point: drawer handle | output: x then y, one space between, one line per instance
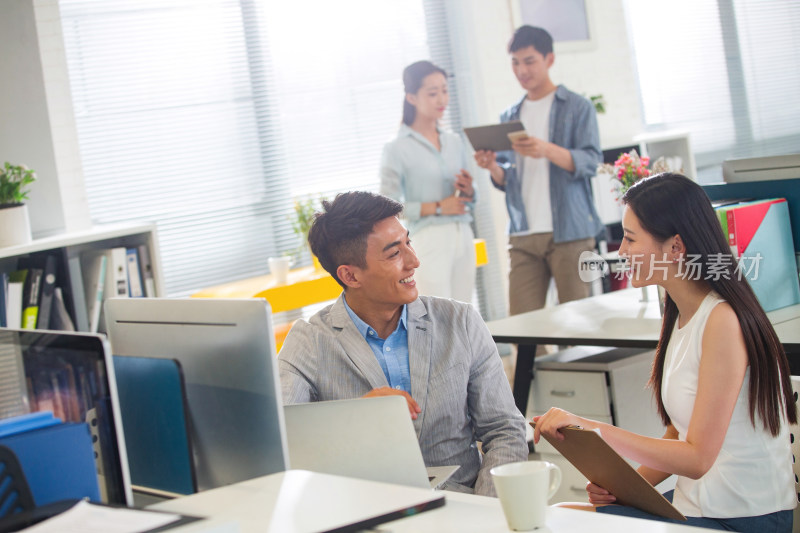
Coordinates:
577 489
563 393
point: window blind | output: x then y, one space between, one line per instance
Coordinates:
211 117
726 71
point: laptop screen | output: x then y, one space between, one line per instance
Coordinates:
69 374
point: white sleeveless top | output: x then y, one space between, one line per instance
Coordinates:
753 472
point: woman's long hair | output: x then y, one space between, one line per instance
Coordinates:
671 204
413 76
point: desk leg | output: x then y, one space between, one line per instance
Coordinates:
523 374
792 355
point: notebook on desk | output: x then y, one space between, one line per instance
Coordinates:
365 438
603 466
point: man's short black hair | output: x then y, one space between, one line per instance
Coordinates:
526 36
338 235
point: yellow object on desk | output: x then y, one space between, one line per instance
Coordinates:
305 286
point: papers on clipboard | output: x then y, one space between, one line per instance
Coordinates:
495 137
589 453
86 517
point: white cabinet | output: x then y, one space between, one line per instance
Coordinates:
68 248
604 384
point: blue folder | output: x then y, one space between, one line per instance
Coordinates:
27 422
58 461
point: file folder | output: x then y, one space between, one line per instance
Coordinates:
58 462
27 422
762 237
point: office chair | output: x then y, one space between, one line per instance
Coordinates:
15 495
794 435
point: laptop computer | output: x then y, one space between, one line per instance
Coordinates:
71 375
366 438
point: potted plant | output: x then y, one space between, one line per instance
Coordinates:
304 210
15 226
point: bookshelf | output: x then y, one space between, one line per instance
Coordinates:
68 249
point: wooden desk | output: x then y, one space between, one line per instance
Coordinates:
617 319
317 502
305 286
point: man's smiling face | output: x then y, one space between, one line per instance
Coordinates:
391 261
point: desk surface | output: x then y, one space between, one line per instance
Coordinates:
314 502
465 513
618 318
298 501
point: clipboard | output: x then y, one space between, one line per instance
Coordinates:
589 453
493 137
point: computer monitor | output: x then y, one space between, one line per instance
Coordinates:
226 350
72 375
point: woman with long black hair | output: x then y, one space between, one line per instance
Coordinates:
720 376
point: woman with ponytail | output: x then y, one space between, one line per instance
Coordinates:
720 376
424 169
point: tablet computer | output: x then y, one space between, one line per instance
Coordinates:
589 453
494 137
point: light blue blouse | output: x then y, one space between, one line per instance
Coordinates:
413 171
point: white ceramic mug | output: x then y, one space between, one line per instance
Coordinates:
523 489
279 268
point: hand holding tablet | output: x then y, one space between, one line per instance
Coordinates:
515 136
495 137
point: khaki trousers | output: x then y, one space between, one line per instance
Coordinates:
534 260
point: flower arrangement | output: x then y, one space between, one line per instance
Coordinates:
630 168
14 182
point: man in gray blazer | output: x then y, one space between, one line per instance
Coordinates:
380 338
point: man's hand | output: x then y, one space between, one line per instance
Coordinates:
531 147
488 160
413 407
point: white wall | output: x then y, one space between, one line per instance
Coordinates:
36 121
607 68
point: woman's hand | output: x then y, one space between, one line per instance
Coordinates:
554 419
454 205
464 184
598 495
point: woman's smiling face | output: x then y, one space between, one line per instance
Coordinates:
648 259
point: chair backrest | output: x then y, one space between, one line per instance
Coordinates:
794 432
152 401
15 495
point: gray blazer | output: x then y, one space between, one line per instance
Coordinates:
457 379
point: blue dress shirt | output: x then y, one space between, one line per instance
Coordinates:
391 353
